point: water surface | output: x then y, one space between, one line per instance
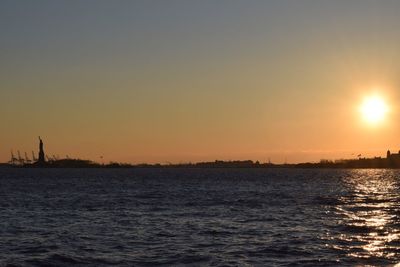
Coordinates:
199 217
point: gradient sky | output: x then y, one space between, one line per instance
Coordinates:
179 81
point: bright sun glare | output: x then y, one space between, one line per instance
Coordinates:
374 109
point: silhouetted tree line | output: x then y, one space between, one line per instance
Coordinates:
377 162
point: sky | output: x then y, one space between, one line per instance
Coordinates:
187 81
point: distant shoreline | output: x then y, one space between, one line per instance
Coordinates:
361 163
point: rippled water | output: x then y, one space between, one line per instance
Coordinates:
199 217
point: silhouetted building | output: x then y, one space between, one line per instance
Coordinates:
41 152
393 159
392 156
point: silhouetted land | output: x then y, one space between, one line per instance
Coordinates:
78 163
377 162
392 160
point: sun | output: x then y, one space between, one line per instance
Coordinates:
374 109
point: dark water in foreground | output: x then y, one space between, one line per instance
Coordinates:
199 217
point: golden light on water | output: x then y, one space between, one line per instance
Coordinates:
369 215
374 109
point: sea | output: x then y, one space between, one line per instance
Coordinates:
199 217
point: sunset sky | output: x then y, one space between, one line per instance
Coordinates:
179 81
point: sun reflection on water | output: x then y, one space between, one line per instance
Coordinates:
368 224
